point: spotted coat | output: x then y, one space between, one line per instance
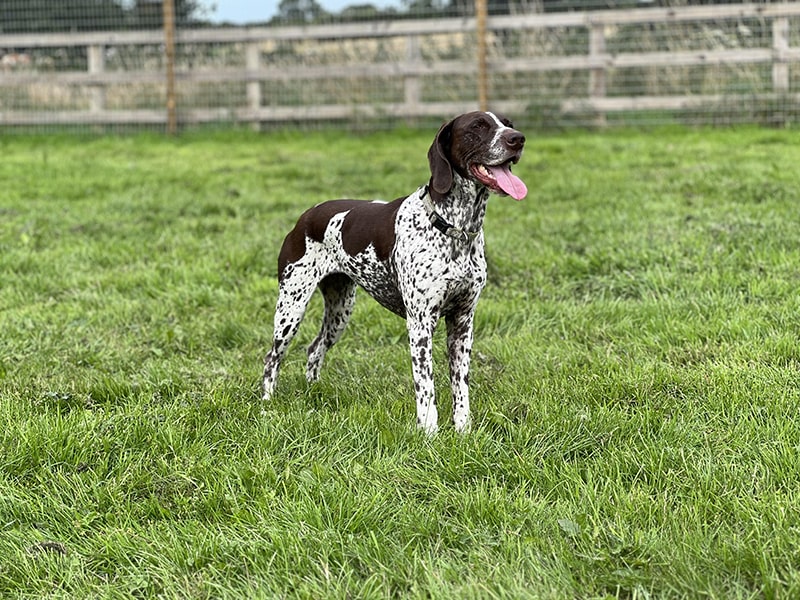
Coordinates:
420 256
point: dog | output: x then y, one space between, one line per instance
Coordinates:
420 256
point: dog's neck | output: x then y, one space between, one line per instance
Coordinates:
464 206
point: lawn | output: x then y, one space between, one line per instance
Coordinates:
635 382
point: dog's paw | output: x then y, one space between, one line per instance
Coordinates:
463 425
428 423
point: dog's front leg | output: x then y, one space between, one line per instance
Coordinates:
420 337
459 349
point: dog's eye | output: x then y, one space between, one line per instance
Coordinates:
507 122
482 126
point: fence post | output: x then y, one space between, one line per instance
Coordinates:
597 75
97 93
780 44
481 14
252 59
169 48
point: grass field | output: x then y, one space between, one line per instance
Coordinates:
635 383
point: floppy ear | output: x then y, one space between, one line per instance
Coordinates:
441 170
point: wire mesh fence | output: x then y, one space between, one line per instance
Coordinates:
100 64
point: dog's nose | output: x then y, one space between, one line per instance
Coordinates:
514 139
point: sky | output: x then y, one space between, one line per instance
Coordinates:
250 11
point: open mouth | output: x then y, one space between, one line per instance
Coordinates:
500 179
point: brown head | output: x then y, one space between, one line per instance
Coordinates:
479 146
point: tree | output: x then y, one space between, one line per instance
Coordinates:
425 8
291 12
33 16
150 13
365 12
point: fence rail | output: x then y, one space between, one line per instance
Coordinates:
253 59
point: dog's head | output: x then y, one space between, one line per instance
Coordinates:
479 146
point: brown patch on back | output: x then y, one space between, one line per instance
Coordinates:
366 223
294 246
370 223
311 224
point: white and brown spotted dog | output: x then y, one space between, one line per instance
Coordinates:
420 256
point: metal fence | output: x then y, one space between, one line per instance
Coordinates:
159 64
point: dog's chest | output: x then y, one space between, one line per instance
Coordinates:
430 265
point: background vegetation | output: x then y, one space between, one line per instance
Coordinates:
25 16
635 381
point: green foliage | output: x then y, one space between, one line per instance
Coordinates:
635 377
35 16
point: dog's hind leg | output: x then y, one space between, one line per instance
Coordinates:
295 291
339 292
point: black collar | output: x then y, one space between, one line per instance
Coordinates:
441 224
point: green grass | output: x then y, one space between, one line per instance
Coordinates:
635 383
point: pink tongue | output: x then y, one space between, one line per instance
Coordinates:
508 182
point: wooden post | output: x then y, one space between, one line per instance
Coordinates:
252 60
169 47
481 14
97 93
597 76
780 44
